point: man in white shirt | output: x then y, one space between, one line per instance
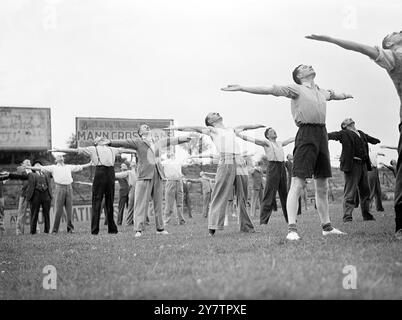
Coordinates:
63 193
103 157
173 188
231 173
276 172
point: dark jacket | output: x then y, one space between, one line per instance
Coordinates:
32 182
347 138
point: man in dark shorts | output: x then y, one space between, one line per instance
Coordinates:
388 57
311 154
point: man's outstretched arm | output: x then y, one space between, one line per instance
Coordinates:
288 141
167 142
290 91
336 135
249 127
198 129
258 142
66 150
372 140
339 96
255 90
367 50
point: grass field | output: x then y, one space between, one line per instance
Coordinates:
188 264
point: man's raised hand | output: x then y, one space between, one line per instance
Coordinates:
348 96
317 37
232 87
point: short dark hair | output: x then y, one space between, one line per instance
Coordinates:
207 123
384 43
266 132
295 73
139 128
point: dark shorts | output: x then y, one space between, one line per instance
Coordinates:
311 154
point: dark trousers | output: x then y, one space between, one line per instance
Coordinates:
103 185
375 188
123 203
355 180
187 203
40 198
276 182
398 185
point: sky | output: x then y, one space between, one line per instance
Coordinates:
169 59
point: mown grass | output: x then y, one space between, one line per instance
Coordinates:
188 264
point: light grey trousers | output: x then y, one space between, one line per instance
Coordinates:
231 173
144 191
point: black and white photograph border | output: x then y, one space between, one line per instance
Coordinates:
184 151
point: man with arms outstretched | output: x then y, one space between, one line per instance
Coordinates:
150 175
231 172
276 172
311 154
355 163
388 57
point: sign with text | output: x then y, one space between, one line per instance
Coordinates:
25 129
81 213
87 129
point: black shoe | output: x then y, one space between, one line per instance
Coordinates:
113 232
70 231
345 220
182 222
211 232
380 210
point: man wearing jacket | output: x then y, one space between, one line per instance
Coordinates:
150 175
22 201
2 229
38 193
355 163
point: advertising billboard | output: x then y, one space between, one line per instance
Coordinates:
25 129
87 129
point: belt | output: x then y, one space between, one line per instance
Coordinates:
62 185
230 156
311 124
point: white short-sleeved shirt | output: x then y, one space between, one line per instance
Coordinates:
391 60
101 155
309 104
385 59
62 173
172 169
